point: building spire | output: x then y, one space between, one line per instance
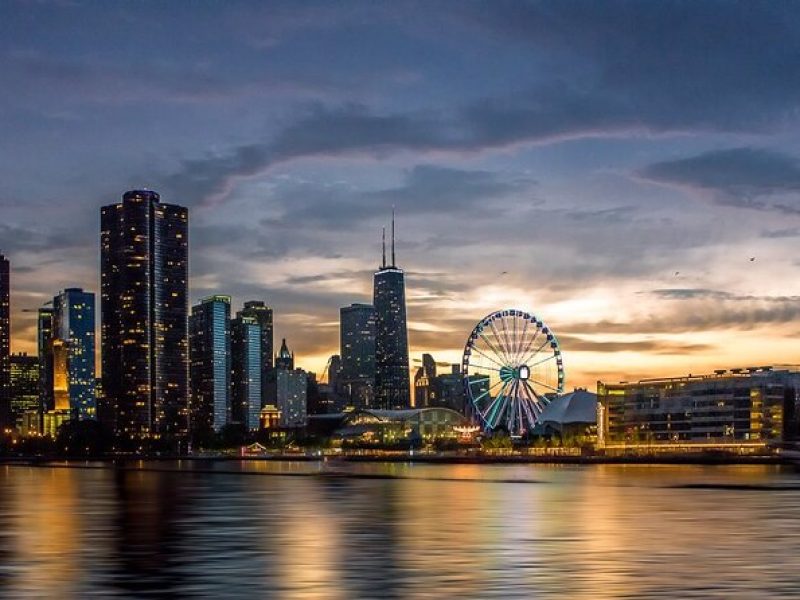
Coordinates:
393 261
383 263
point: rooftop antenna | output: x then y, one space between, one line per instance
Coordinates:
393 261
383 264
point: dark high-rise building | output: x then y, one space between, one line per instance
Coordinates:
74 324
391 335
6 419
44 337
246 372
144 277
24 385
263 315
356 380
210 360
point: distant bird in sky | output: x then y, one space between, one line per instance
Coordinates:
677 273
504 273
752 259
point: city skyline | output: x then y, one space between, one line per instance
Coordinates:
647 211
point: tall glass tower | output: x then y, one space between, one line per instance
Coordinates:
356 380
246 372
74 324
262 313
392 389
6 417
144 304
210 364
44 337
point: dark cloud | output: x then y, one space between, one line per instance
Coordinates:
595 70
15 239
789 232
745 177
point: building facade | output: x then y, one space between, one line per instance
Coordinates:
741 407
392 386
44 340
292 387
210 364
24 387
263 315
74 324
144 306
356 377
6 416
246 388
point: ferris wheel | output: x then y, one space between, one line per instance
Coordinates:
512 367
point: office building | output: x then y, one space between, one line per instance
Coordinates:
246 388
263 315
356 378
74 324
434 389
391 335
44 339
741 408
292 387
210 364
24 380
144 305
6 417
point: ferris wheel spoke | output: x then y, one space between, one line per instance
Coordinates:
492 410
541 383
529 345
487 357
489 368
535 352
517 352
500 341
491 346
487 391
537 403
514 338
533 408
509 344
544 360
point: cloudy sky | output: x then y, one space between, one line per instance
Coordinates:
612 167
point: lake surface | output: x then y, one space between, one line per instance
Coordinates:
283 530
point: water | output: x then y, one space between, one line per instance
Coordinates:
279 530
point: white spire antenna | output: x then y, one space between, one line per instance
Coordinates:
393 260
383 263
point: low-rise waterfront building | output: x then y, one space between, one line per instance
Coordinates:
741 410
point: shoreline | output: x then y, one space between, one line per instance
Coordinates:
124 461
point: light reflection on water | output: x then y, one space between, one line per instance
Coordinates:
426 531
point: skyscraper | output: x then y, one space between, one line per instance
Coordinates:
391 335
210 364
24 386
246 373
263 316
292 390
44 336
144 278
74 324
6 417
356 381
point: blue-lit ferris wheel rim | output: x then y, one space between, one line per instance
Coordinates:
518 405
